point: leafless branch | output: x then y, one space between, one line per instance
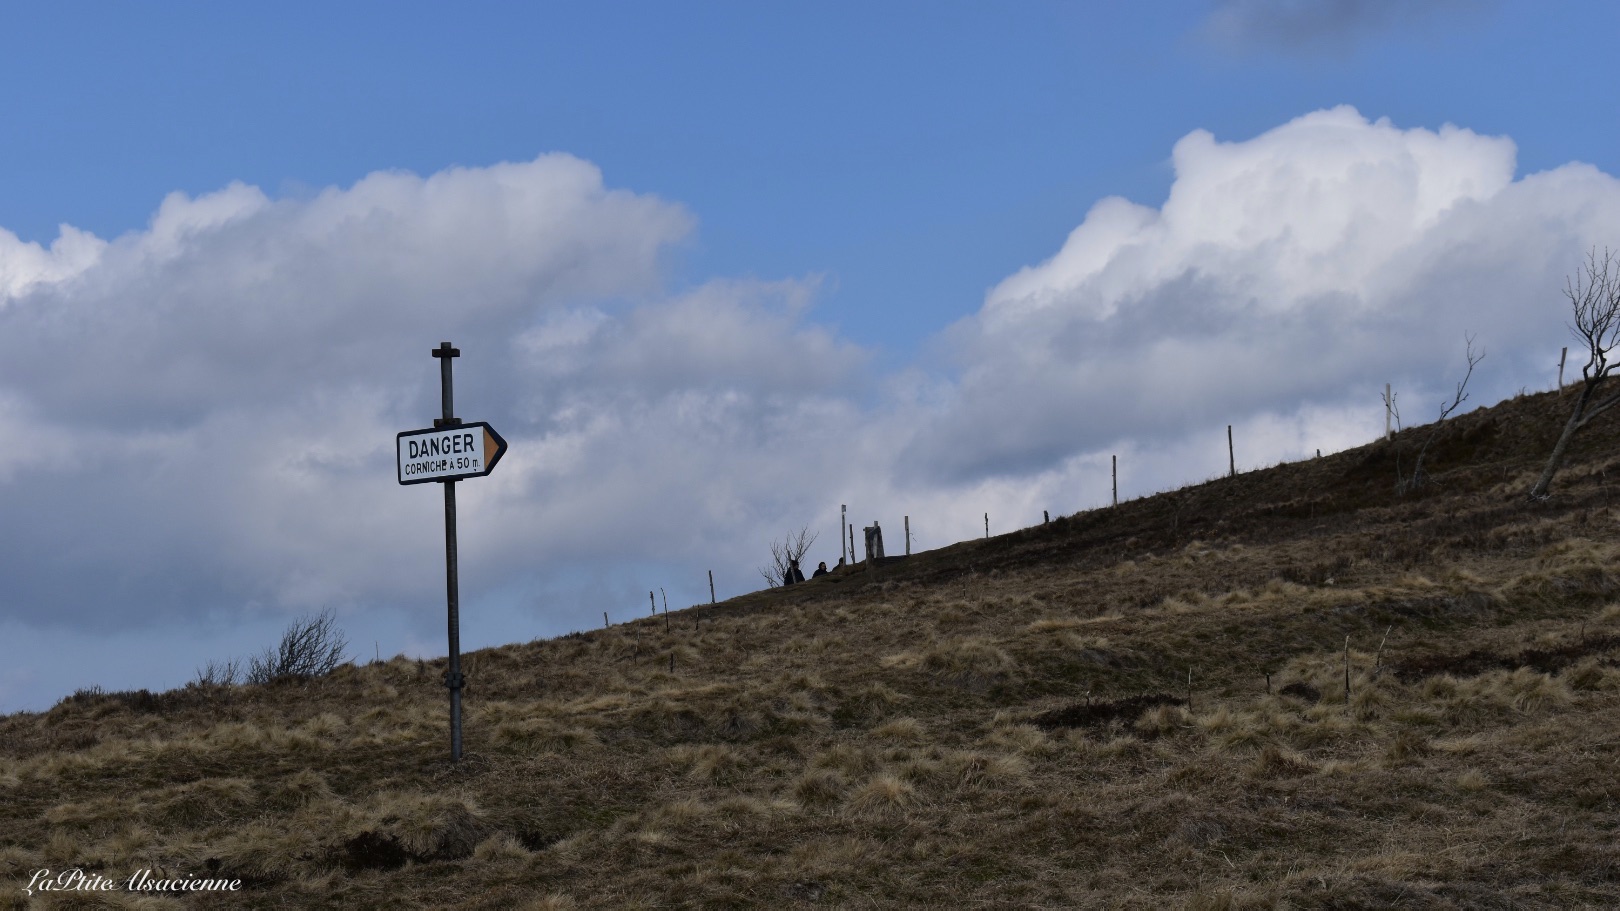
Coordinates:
1419 477
1594 300
785 553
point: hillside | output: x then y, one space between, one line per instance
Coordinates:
1142 707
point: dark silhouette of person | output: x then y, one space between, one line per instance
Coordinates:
793 573
821 569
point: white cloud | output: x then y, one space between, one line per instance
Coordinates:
1306 266
196 419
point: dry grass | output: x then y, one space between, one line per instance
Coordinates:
1003 723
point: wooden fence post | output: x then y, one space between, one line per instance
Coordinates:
711 586
1561 358
908 536
1231 455
843 522
1389 410
987 526
1115 460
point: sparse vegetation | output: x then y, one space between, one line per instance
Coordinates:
786 552
1419 477
311 647
1594 299
999 723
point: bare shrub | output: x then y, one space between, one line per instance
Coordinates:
785 553
311 647
218 673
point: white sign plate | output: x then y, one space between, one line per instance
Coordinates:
448 453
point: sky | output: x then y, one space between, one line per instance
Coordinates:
716 270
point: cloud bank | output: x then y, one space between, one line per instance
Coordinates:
198 417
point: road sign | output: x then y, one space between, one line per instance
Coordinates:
448 453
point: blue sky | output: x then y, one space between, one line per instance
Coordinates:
914 153
742 263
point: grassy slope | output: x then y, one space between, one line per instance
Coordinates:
1000 722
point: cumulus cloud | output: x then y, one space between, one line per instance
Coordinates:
197 418
1306 265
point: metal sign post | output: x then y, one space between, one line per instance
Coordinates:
447 452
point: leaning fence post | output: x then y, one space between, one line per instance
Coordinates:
987 526
1231 455
711 586
654 602
1561 358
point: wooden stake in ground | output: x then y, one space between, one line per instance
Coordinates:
987 526
666 608
654 604
1378 661
1346 670
908 536
1389 411
711 586
1231 455
1114 459
1561 358
604 620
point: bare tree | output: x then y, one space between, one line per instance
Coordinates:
1594 295
786 552
311 647
1418 477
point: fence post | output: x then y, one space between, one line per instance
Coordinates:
1561 358
654 602
908 536
711 586
987 526
1231 455
843 522
1389 409
1115 460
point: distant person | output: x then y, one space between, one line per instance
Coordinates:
840 562
794 574
821 569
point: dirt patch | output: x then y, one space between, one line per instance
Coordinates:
1093 714
1302 690
1469 664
